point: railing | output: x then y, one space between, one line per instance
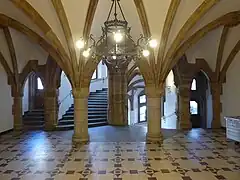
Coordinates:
98 84
165 117
99 79
68 95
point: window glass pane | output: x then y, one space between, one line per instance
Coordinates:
193 107
39 83
94 76
194 85
142 99
143 113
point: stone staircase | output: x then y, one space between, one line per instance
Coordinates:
34 119
97 111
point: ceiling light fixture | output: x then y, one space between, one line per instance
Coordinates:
116 46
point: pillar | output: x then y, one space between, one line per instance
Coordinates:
184 106
216 101
50 109
80 115
117 95
154 96
17 112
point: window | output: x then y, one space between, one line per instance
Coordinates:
194 85
142 99
143 110
94 76
39 84
193 107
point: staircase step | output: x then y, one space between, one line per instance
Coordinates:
89 112
35 127
97 111
34 119
33 123
68 127
89 116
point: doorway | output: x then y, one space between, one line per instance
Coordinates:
200 101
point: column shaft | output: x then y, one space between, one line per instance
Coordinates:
216 99
154 95
17 113
80 116
184 107
50 106
154 119
117 97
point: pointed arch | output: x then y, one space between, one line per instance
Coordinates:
6 21
194 18
194 85
229 60
230 19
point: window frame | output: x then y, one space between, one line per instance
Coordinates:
141 105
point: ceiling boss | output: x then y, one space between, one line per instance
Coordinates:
116 45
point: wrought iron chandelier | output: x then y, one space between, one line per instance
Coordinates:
116 45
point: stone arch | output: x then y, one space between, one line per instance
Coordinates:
88 71
230 19
134 73
31 66
7 69
229 61
6 21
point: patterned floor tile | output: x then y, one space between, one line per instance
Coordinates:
189 155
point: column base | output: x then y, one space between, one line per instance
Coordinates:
154 138
79 139
18 127
216 125
186 126
50 128
117 124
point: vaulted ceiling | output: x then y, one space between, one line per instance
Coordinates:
178 25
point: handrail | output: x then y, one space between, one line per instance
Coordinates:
99 79
69 94
165 117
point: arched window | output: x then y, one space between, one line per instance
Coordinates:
194 85
39 84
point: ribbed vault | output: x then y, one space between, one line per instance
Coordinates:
56 25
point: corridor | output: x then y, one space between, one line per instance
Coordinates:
119 153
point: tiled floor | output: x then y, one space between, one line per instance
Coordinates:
196 155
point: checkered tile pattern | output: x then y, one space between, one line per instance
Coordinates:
191 155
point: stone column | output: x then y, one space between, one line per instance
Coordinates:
17 112
80 115
184 107
50 109
216 101
154 113
117 95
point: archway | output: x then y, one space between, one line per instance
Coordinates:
169 104
200 101
97 100
33 102
137 97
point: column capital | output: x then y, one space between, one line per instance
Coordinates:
50 92
153 91
80 92
16 94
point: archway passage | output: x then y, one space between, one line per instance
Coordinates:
200 102
33 102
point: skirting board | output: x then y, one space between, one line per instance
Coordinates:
5 132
